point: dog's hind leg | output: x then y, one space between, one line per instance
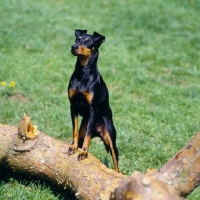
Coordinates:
111 146
109 139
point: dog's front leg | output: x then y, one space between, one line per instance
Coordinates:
84 151
74 116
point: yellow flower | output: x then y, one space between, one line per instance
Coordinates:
3 83
12 84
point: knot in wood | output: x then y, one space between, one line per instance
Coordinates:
146 181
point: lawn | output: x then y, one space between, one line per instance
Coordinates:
150 62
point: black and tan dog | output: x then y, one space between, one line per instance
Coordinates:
89 98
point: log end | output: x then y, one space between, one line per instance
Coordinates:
140 186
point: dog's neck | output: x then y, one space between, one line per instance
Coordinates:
85 66
84 60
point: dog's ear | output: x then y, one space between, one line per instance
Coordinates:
98 38
79 32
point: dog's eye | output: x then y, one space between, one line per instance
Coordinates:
87 42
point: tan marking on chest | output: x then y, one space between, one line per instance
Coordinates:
88 95
71 93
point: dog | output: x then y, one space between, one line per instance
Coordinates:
89 98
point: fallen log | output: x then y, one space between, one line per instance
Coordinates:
47 158
32 152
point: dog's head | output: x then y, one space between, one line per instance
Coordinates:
85 44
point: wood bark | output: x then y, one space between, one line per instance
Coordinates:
46 157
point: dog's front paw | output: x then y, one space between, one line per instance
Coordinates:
82 155
72 149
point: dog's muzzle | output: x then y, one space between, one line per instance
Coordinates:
74 48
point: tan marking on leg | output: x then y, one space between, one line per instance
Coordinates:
73 147
84 151
82 132
86 143
108 141
75 132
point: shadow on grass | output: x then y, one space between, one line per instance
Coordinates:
8 176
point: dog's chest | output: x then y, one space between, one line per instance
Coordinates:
80 97
81 93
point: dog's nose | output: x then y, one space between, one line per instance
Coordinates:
74 47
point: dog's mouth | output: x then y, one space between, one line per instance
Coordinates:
82 51
73 51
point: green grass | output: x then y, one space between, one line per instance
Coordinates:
150 62
16 186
